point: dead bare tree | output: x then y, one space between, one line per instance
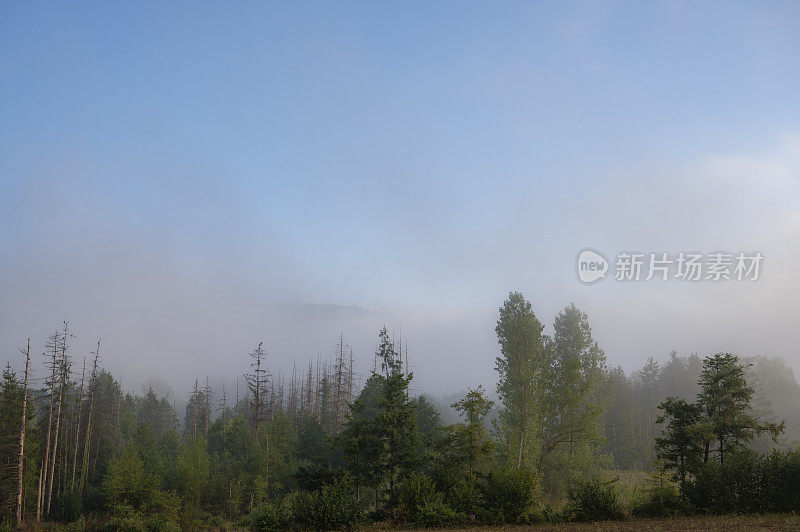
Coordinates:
52 346
27 354
309 406
292 404
223 405
257 383
64 368
78 426
341 382
207 394
90 420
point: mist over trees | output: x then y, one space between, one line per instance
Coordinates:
312 449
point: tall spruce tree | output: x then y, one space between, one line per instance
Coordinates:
680 445
725 399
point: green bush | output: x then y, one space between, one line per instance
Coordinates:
465 496
332 506
660 501
747 482
728 487
269 515
161 523
412 493
507 495
126 519
779 482
549 515
67 507
594 500
436 514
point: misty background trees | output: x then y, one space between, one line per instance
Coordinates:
314 446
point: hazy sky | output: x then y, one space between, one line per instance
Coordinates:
188 179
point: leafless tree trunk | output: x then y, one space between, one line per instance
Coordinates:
195 395
257 382
55 444
208 406
22 434
78 426
339 382
63 376
45 464
90 419
39 494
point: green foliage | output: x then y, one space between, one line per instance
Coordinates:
412 493
331 507
126 519
660 501
470 446
380 438
436 514
269 515
465 496
144 476
681 444
521 368
126 482
573 400
428 418
725 398
193 468
507 494
132 492
66 507
594 500
748 482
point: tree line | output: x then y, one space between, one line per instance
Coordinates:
313 451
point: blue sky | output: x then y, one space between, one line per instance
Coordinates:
418 160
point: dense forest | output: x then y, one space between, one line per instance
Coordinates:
555 441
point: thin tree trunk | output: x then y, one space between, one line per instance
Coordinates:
46 463
78 427
90 420
55 446
22 435
39 495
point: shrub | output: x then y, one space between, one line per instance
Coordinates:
779 482
550 515
594 500
305 508
67 507
332 506
269 515
126 519
465 497
747 482
161 523
728 487
660 501
412 493
436 514
507 495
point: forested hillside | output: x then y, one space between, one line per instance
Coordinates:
314 450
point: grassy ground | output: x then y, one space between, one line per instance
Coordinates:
699 523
